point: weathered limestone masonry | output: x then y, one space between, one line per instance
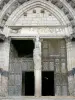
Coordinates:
4 66
71 63
16 66
35 20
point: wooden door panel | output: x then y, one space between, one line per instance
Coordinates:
55 55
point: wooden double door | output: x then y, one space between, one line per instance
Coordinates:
54 59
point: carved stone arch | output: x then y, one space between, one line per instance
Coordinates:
11 4
72 3
63 5
63 19
48 6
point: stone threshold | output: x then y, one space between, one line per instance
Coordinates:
40 98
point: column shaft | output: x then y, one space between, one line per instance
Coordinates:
38 83
37 67
69 65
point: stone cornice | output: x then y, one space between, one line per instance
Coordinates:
54 26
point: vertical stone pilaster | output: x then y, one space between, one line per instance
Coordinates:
69 54
69 65
37 83
37 67
73 71
0 82
73 64
4 65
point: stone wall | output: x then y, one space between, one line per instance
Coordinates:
4 66
71 66
37 16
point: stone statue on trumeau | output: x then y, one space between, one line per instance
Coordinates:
37 54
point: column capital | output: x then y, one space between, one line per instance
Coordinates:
37 37
68 39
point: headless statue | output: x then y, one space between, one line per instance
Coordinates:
37 54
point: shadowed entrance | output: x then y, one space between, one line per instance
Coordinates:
47 83
24 47
28 83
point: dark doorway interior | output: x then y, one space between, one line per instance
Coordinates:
24 47
28 83
73 39
23 83
47 83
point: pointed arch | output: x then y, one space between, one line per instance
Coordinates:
40 3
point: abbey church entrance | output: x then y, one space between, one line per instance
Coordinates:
53 71
37 48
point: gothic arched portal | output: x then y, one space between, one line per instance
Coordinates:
38 33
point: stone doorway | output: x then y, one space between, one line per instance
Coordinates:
47 83
24 48
28 86
21 60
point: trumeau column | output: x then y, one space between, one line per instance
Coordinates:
37 67
69 66
4 66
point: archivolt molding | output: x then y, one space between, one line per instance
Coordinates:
3 3
59 4
67 6
37 3
72 3
6 8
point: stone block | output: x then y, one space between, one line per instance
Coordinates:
11 79
17 90
18 79
11 90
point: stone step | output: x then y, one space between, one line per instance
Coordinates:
38 98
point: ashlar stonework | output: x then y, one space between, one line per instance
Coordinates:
37 36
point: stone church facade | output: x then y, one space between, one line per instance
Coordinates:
37 49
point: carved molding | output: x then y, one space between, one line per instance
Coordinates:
66 6
55 2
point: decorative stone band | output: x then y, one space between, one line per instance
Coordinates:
57 30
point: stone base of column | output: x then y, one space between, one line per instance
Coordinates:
37 83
